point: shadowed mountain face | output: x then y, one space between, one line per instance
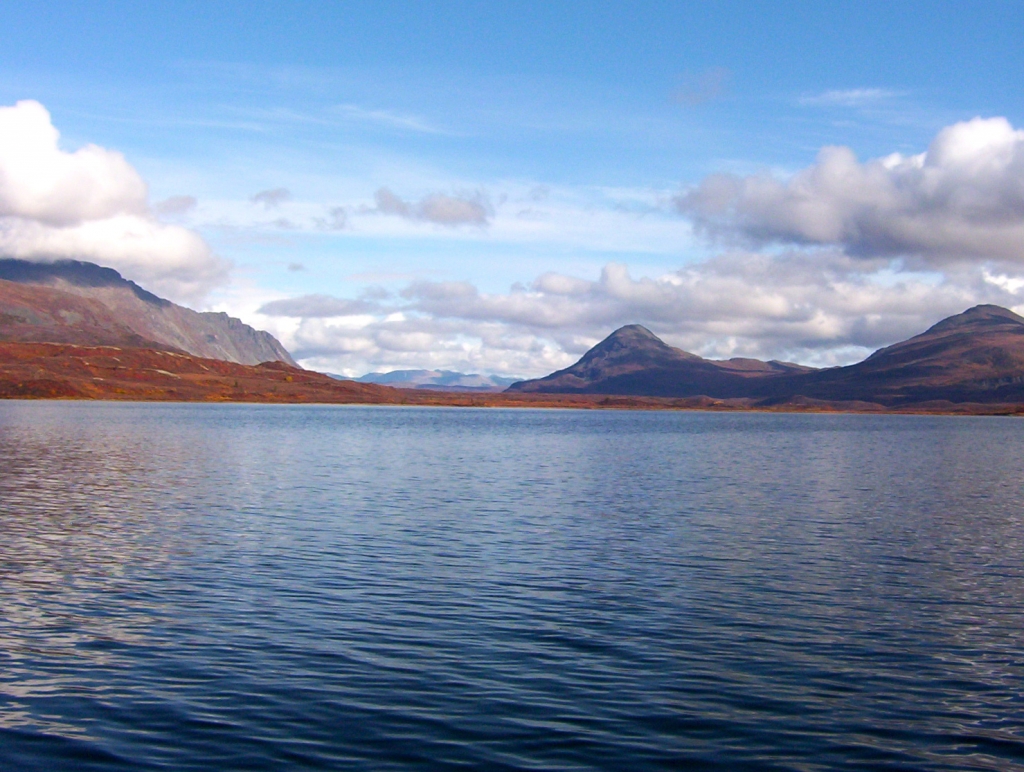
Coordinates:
976 356
75 302
634 361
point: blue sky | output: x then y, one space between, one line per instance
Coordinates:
495 187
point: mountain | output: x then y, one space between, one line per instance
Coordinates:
438 380
976 356
69 301
634 361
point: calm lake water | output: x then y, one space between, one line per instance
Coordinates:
267 588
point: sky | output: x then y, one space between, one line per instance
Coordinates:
494 188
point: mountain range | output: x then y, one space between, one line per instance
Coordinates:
976 356
70 301
439 380
61 321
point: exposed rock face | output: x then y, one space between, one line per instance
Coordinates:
75 302
976 356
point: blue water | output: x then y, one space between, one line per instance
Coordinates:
265 588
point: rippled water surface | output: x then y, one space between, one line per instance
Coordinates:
255 587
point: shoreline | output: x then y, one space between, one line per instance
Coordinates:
68 372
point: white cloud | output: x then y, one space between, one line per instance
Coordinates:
962 199
171 261
91 204
40 182
820 308
852 97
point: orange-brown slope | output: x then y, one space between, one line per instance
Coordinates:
109 372
202 334
66 371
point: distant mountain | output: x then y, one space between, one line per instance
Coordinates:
69 301
976 356
438 380
635 361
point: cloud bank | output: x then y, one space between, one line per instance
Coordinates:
822 268
961 200
821 307
91 204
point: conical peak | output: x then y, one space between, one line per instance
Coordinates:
632 341
983 315
634 332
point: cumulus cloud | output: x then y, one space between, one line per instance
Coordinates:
961 200
817 307
271 199
90 204
40 182
437 208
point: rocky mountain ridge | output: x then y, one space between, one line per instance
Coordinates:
70 301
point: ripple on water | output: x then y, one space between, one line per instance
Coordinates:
254 587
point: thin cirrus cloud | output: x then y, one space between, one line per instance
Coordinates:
961 200
436 208
702 87
852 97
389 119
91 204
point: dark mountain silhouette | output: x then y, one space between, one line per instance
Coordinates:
976 356
634 361
69 301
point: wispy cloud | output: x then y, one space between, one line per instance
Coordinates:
390 119
852 97
702 87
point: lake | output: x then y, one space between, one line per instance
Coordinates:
240 587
